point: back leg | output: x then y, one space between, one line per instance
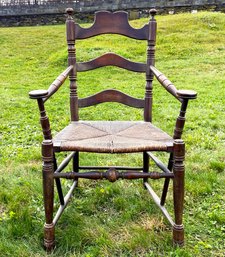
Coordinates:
76 164
145 165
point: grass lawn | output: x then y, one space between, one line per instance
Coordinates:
119 219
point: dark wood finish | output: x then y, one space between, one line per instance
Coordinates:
178 191
70 34
48 189
152 26
44 120
180 121
111 59
169 86
57 83
76 164
112 175
167 181
164 169
177 135
166 83
185 95
58 183
145 165
111 23
36 94
111 95
112 136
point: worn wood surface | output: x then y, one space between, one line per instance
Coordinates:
112 175
111 59
150 60
111 95
111 23
112 136
178 191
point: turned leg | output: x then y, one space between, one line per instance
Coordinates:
58 183
145 165
166 182
76 164
48 190
178 191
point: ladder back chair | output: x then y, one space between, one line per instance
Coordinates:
112 136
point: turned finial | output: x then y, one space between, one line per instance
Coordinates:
153 12
69 12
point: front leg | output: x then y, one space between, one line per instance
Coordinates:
178 191
48 190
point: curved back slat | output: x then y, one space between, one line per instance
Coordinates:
111 23
111 59
111 95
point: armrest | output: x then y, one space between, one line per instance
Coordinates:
169 86
46 94
187 94
37 94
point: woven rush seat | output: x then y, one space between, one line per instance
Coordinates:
112 137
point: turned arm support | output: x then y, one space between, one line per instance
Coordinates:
169 86
185 96
56 84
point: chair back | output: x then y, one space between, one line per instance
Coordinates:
111 23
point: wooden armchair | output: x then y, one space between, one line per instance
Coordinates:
112 136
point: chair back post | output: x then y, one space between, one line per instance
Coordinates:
150 61
70 34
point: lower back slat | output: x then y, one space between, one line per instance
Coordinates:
111 95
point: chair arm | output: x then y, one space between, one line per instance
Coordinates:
46 94
169 86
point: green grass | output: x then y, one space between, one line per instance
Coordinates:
117 219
